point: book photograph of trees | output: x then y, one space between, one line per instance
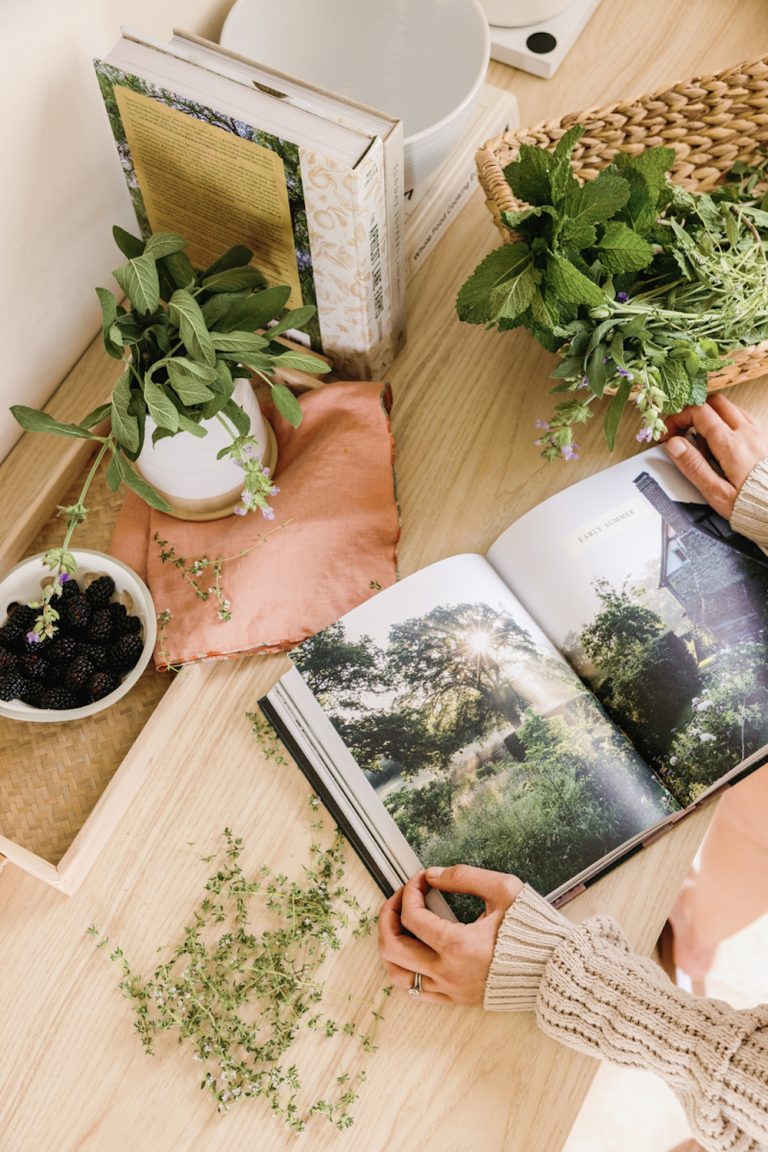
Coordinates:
676 650
478 739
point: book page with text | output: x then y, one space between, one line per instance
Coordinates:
659 606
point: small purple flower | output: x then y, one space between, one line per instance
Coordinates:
570 451
542 425
622 297
32 638
240 510
645 434
265 471
274 490
268 513
584 382
623 372
63 577
251 450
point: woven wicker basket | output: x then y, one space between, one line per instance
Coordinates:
710 121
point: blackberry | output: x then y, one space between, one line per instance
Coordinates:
33 694
99 591
58 698
77 673
101 684
118 612
18 623
75 615
33 665
130 626
70 588
93 652
12 685
38 644
62 650
7 661
101 629
125 652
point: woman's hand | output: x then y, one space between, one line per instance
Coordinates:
453 959
729 435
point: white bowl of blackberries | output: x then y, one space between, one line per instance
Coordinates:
103 638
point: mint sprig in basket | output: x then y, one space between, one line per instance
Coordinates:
636 246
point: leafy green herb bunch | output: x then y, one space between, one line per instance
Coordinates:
183 335
641 287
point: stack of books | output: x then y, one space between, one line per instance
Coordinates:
224 151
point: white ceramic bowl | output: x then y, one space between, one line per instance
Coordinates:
23 584
421 60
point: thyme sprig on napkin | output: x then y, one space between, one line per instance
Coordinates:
640 286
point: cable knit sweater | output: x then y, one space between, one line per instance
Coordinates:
590 992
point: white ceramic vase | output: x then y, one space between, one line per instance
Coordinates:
184 469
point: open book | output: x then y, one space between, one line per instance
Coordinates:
546 709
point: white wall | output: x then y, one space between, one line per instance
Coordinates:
61 186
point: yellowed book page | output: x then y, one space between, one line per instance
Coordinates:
211 187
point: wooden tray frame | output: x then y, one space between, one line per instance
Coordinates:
88 385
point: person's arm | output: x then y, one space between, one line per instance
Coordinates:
589 991
737 486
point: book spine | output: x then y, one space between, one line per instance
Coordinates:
349 242
394 168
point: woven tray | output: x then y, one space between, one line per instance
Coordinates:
710 121
52 775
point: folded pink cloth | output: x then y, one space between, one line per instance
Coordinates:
331 545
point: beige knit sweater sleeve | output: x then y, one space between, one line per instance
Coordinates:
750 512
590 992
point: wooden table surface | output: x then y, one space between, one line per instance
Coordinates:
73 1075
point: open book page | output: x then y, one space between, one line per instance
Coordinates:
661 609
472 737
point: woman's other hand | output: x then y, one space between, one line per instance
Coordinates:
726 433
453 959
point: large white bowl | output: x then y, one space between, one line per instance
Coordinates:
23 584
421 60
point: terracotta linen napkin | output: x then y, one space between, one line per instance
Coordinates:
331 545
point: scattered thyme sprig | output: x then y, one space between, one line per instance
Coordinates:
239 995
269 743
641 287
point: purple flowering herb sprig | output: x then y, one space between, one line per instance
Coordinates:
258 485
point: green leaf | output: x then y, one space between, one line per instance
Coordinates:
114 476
564 183
216 306
698 393
255 311
530 176
302 362
189 389
204 373
511 297
35 421
236 257
597 200
622 250
287 404
255 361
652 164
294 320
239 418
568 369
513 219
596 370
179 269
139 280
222 388
570 285
96 415
545 316
124 426
473 303
185 313
162 244
233 280
162 410
139 485
238 341
129 245
676 384
112 341
187 424
614 413
576 234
